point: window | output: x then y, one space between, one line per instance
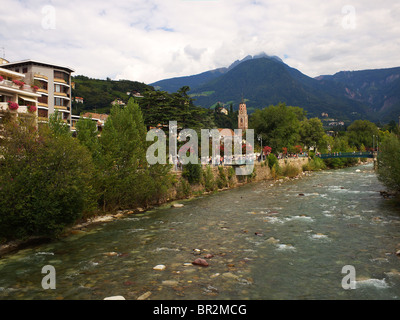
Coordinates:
60 102
42 99
61 75
24 70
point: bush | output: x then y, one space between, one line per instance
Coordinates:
183 189
315 164
275 171
222 181
272 160
208 179
45 184
389 164
231 176
192 173
290 171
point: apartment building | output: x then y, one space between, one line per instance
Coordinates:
53 84
16 96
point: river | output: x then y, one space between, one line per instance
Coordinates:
286 240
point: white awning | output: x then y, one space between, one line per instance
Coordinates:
27 99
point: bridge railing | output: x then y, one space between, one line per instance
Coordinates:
355 154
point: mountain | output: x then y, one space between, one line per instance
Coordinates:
174 84
266 80
98 94
378 89
195 81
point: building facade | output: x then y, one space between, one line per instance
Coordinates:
53 83
243 119
16 96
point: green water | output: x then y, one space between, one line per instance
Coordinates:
301 245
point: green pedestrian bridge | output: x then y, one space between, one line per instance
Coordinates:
355 154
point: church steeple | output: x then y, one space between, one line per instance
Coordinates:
242 116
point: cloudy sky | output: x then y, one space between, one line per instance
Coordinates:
150 40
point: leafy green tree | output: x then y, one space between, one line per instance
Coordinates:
389 164
126 180
192 172
57 124
279 125
45 181
361 132
312 133
86 133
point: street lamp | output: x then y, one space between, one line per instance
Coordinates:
259 137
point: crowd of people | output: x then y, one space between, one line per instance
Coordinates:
219 160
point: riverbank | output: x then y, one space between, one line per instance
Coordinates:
261 173
261 242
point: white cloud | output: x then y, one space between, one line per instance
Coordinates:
156 39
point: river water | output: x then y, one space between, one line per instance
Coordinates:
286 241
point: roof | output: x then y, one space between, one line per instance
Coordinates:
30 61
230 130
12 73
100 116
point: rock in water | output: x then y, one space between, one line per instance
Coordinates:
177 205
200 262
115 298
159 267
144 296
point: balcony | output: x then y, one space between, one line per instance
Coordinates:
21 109
12 85
40 77
43 105
43 119
61 94
61 81
40 90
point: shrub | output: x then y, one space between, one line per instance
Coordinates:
231 176
272 160
192 172
388 163
183 189
222 181
290 171
46 183
315 164
208 179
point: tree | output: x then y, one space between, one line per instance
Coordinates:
388 163
126 180
279 125
57 124
86 133
361 132
45 181
312 133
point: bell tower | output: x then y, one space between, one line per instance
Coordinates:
243 122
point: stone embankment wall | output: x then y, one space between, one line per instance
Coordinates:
261 172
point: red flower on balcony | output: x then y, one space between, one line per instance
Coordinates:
35 88
13 105
19 83
32 109
1 78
